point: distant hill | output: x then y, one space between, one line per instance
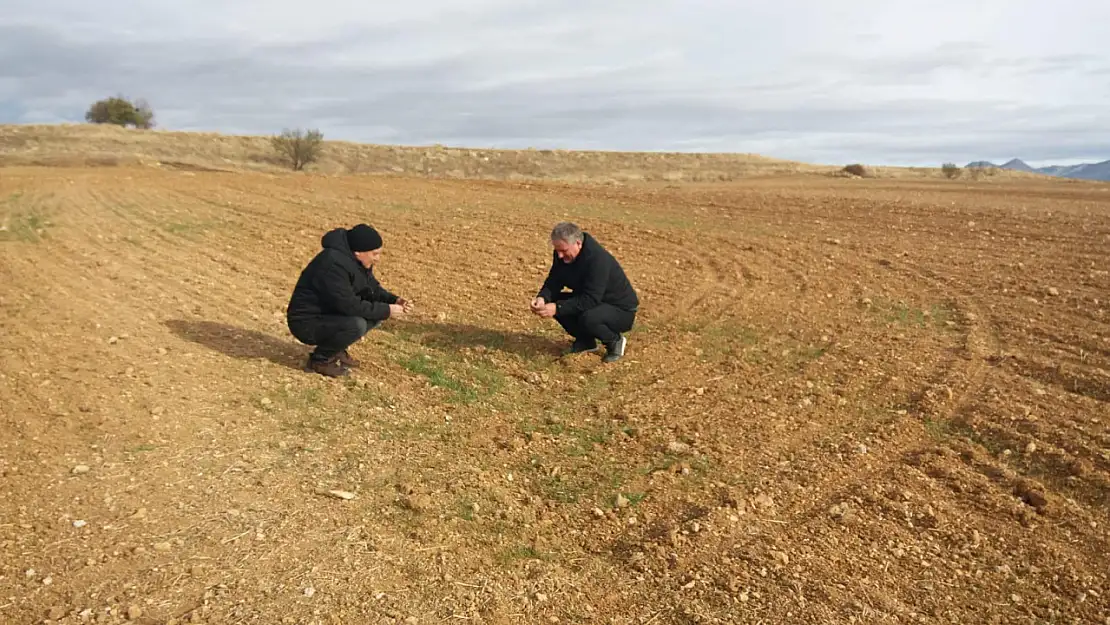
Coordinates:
1016 164
1083 171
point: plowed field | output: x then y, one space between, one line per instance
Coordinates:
845 401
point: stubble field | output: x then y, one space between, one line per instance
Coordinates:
845 401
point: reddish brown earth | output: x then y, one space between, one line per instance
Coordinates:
846 401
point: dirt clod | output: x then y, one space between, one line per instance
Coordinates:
678 448
1032 495
417 502
763 502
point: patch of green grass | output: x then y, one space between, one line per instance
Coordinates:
465 509
482 379
370 395
28 225
490 339
949 429
634 499
783 351
466 380
422 364
577 478
699 465
411 430
585 438
594 385
983 439
297 398
189 228
302 404
802 354
521 552
665 464
812 352
938 429
591 388
489 380
899 312
311 423
142 448
941 314
396 207
717 342
451 341
907 315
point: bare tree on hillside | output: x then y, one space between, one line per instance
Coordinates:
299 147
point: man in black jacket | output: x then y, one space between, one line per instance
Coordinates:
602 303
337 299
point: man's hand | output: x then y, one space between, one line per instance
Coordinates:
547 311
405 304
396 310
537 305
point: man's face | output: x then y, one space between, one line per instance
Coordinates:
567 251
369 259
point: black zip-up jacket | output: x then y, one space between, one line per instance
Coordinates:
595 277
335 283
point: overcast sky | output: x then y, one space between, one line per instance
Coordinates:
873 81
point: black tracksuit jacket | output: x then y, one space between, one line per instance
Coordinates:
335 283
595 277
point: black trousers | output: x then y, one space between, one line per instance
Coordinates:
603 322
331 334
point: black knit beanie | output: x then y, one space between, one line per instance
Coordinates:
363 238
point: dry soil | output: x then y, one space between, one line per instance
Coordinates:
871 401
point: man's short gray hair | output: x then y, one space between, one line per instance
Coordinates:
566 231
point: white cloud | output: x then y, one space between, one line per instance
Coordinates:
876 82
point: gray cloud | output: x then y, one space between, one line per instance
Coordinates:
576 75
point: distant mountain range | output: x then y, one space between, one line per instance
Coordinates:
1084 171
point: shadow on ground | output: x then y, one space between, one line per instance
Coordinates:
240 342
452 336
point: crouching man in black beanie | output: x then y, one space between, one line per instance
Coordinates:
337 299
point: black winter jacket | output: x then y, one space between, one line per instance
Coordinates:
335 283
595 277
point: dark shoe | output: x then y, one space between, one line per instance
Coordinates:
347 360
615 350
582 347
331 368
